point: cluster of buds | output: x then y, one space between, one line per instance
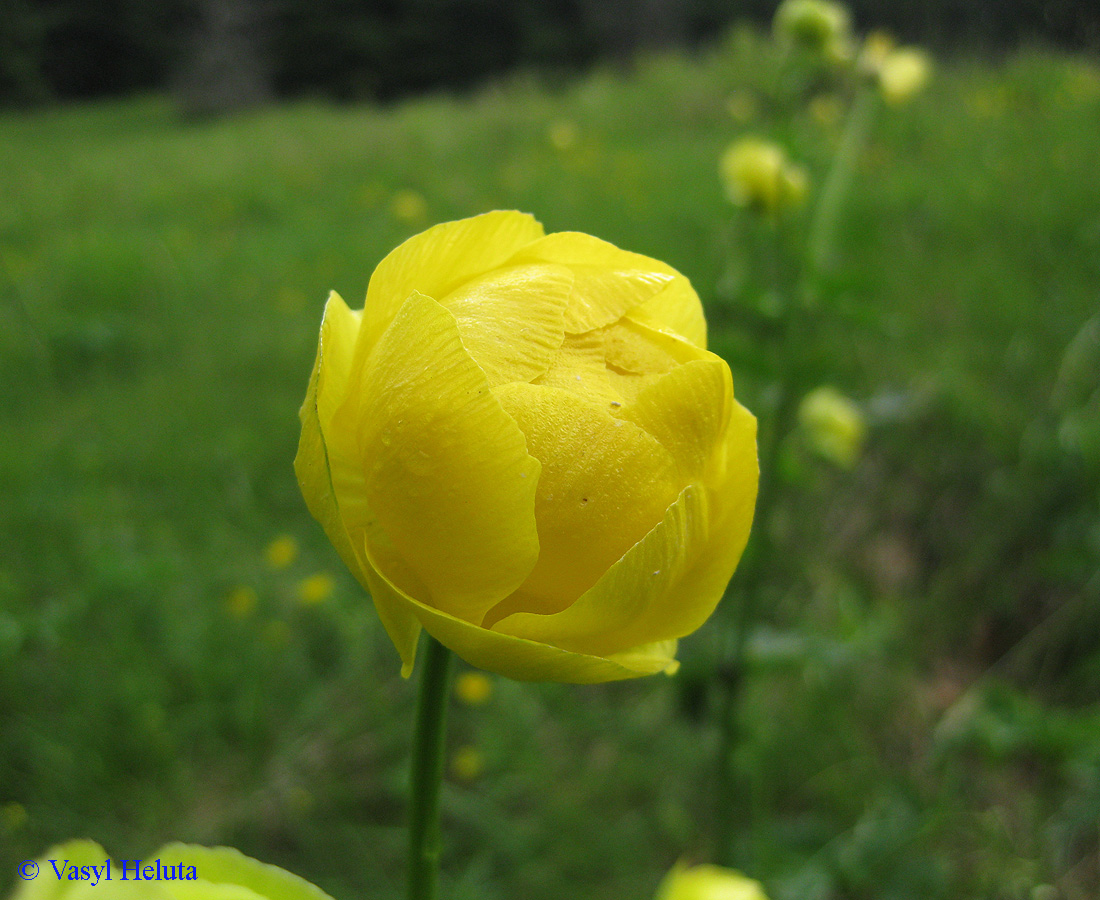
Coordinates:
758 174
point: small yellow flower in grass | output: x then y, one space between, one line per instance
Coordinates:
76 870
708 883
834 426
815 25
563 135
281 552
473 688
903 74
241 601
409 207
468 763
315 589
757 174
13 816
521 445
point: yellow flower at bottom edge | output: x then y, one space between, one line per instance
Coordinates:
82 870
521 445
708 883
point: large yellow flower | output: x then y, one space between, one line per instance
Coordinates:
521 445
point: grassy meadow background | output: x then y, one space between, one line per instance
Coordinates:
922 720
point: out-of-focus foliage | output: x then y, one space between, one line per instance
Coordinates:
221 54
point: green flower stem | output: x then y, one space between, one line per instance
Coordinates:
839 180
427 772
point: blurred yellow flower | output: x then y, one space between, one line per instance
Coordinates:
316 588
904 73
473 688
409 207
562 134
708 883
281 552
468 763
241 601
815 25
834 426
186 872
757 174
521 445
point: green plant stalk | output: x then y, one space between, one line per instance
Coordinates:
819 249
839 180
425 846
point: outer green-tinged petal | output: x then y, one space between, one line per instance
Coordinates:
609 281
676 309
512 321
526 660
226 866
328 469
47 886
441 259
448 475
604 484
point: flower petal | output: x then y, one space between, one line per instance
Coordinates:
668 583
447 472
441 259
328 468
226 867
677 309
609 281
526 660
687 411
604 484
512 321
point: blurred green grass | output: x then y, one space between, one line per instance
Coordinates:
923 720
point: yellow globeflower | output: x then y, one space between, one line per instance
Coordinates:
281 552
757 174
834 425
473 688
903 73
521 445
708 883
83 870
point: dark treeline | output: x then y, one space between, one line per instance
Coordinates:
217 53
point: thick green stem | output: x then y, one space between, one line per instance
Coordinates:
427 772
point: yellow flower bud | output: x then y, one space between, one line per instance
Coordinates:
78 870
708 883
834 426
521 445
904 73
816 25
757 174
